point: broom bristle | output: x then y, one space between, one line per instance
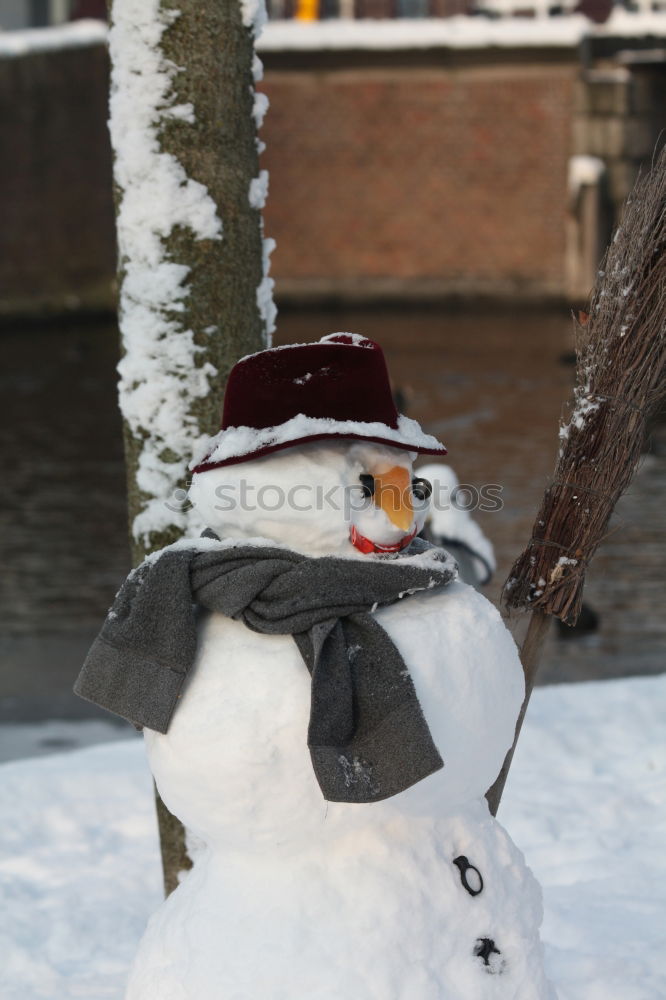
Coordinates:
621 376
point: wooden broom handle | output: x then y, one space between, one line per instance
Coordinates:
529 657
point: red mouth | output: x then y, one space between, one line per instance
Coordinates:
364 544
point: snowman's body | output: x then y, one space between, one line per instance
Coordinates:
296 898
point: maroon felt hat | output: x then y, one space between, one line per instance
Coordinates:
286 396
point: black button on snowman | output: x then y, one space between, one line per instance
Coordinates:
484 948
469 875
292 897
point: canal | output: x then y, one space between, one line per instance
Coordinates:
491 386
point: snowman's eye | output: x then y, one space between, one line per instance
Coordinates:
421 489
368 484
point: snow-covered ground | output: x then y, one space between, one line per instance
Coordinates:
586 802
19 740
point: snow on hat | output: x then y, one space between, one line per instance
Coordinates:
286 396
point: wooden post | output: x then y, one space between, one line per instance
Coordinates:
530 655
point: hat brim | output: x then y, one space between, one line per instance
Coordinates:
401 442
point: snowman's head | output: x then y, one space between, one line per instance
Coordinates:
313 453
322 498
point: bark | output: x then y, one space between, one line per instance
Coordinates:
215 52
208 40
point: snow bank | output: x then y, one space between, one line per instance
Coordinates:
586 801
453 32
424 33
403 33
64 36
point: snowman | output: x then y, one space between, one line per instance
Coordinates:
324 706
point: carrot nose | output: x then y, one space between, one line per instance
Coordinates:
393 495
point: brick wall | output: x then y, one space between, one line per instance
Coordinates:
420 178
391 174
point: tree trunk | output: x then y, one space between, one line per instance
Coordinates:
194 295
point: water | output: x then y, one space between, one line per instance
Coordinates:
490 386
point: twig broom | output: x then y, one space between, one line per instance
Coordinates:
621 376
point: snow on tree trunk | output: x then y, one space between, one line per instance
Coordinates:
193 265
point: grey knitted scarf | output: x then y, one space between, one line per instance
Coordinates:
367 735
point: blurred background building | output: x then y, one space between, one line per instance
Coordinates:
433 158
